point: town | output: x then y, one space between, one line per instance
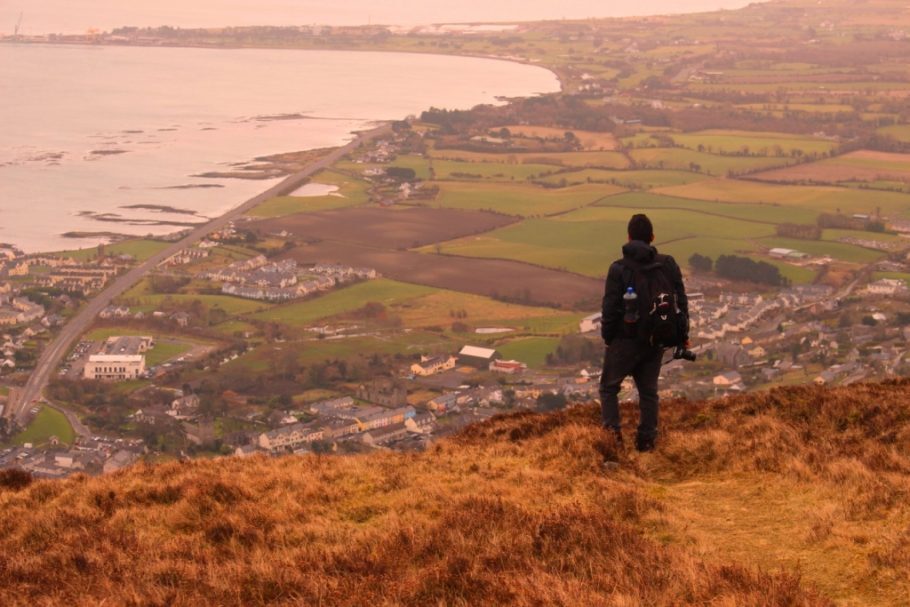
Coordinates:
746 339
450 268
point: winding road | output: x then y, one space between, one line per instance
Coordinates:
56 350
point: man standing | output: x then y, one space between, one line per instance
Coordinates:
645 310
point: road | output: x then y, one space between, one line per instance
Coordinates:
55 351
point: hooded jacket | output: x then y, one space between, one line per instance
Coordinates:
636 252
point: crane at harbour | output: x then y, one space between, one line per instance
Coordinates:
18 26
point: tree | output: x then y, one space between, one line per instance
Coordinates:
735 267
460 327
401 173
701 263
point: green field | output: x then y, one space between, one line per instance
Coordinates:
439 309
604 160
835 235
49 422
642 179
418 164
761 144
313 351
702 162
453 169
758 212
384 291
901 132
818 248
165 351
351 192
140 248
231 327
532 351
815 108
587 240
232 305
519 199
817 198
290 205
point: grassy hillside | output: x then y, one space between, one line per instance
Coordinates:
793 497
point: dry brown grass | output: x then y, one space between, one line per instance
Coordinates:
794 497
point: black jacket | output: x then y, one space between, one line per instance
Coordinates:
636 252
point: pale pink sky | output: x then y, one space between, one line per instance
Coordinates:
71 16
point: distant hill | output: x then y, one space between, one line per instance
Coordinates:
793 497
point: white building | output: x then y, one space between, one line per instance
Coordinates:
114 367
886 286
591 323
432 365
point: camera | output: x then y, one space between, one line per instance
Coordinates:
681 353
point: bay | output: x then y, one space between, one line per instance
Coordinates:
112 139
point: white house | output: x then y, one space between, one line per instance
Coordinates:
591 323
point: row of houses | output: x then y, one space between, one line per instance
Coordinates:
282 288
78 279
87 455
19 311
187 256
343 422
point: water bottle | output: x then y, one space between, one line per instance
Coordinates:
630 302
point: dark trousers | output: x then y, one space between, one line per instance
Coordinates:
632 357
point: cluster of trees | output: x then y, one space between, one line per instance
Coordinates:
574 349
701 263
166 283
734 267
374 310
401 173
798 230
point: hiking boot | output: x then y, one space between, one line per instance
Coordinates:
644 443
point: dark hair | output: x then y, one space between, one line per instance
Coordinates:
640 228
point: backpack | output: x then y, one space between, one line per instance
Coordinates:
660 320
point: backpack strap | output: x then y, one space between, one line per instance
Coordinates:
628 275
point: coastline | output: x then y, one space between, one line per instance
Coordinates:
57 348
266 165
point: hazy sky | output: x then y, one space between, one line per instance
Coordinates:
45 16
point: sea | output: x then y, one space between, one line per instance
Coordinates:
98 140
106 139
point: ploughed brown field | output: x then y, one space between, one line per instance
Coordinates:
499 278
380 238
795 497
386 228
864 165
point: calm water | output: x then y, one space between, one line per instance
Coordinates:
76 16
91 130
